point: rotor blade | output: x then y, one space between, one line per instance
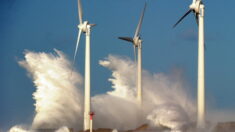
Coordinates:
129 39
189 11
140 21
80 11
196 17
134 53
92 25
76 49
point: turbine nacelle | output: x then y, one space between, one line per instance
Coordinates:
136 41
195 6
83 26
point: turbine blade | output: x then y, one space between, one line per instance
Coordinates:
140 21
129 39
134 53
196 17
189 11
76 49
92 25
80 11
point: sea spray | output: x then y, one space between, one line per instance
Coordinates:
163 94
114 112
169 115
18 128
57 99
58 96
123 77
63 129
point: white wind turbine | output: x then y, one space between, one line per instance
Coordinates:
197 7
85 27
137 42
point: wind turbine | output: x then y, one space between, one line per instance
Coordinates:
197 7
137 42
85 27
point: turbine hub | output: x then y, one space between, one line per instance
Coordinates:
83 26
195 6
136 41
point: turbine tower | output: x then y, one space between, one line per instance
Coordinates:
137 42
85 27
197 7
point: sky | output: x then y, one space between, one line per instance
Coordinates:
43 25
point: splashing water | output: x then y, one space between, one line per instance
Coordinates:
165 101
63 129
18 129
59 98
